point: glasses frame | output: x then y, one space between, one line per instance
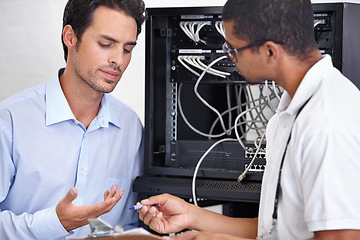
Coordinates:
230 52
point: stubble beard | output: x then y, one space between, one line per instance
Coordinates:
95 83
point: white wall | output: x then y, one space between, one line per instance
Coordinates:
31 49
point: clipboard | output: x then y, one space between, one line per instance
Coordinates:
129 236
101 230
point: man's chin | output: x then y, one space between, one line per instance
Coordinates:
109 87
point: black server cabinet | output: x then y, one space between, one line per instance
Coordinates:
337 33
172 148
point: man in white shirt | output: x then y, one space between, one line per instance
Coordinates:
318 118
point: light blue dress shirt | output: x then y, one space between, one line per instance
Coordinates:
44 151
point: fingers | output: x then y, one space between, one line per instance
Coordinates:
143 211
158 199
110 199
152 217
106 194
112 190
70 196
148 213
111 193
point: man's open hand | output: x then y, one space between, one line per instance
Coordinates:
72 216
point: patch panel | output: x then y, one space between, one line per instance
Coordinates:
257 168
251 151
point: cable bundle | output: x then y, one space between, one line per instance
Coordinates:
196 62
192 29
220 28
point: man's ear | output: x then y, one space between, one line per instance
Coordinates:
272 51
69 37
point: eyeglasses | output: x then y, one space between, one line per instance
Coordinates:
230 52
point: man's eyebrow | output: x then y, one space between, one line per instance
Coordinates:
131 43
115 40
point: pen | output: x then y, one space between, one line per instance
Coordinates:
139 206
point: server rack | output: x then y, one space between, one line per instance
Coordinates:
172 148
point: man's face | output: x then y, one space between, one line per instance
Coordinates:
104 52
248 62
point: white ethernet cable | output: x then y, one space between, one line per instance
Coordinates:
197 33
237 124
268 96
203 100
259 113
189 29
217 120
318 22
229 107
220 28
211 70
186 30
189 124
189 60
243 174
236 129
240 178
274 87
186 66
195 61
199 163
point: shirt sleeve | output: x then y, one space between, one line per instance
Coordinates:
43 224
330 179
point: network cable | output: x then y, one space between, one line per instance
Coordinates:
202 99
192 30
193 184
220 28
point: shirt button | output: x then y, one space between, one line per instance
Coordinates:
285 125
82 172
278 146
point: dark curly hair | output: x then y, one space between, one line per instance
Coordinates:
288 21
79 13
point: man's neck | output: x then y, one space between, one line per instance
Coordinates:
294 70
84 102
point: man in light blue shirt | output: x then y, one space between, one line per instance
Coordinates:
69 151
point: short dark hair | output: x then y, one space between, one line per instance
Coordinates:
288 21
79 14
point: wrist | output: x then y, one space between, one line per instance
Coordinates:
193 213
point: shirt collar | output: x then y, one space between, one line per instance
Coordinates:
105 116
307 87
58 109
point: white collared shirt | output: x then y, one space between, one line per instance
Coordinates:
321 169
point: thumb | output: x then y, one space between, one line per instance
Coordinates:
157 199
71 195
